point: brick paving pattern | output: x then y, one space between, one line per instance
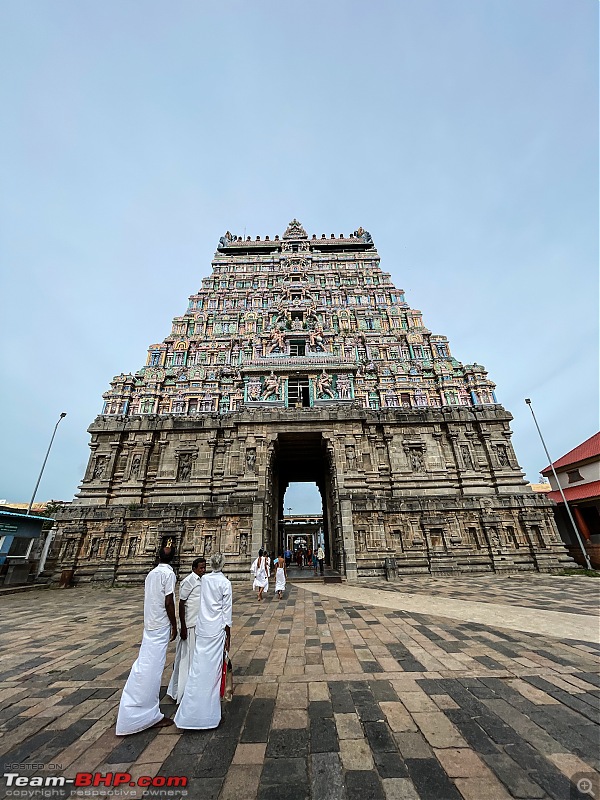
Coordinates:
332 699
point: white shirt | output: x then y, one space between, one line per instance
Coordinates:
160 582
189 592
215 604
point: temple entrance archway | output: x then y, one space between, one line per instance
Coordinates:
302 458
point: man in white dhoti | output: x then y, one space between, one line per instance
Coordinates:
200 707
139 706
189 603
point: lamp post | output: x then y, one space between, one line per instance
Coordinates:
562 494
63 414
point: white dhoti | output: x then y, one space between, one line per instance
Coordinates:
280 580
182 665
200 707
261 583
139 708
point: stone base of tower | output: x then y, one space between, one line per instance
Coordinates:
405 492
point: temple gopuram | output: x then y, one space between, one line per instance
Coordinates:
299 360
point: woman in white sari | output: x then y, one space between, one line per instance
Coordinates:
261 575
200 707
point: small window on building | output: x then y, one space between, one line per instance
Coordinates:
574 476
298 347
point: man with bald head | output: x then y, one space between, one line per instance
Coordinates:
200 707
139 706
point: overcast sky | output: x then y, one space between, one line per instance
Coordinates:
461 133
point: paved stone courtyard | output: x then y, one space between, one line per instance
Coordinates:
341 692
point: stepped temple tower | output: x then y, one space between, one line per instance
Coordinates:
298 360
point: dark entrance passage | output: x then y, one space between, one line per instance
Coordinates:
302 458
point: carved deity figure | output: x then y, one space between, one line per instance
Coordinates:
250 459
277 341
366 237
502 455
110 550
243 544
466 455
135 466
416 460
227 239
343 387
99 467
254 390
315 339
350 456
272 384
132 547
184 470
324 385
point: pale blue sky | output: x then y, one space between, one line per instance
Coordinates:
461 133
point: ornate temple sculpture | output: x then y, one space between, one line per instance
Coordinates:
299 360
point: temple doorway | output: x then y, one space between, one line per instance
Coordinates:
303 514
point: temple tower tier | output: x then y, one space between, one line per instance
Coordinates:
298 360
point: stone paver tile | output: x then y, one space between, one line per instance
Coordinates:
318 690
266 690
533 694
438 730
356 754
399 789
241 782
444 701
412 745
417 701
289 718
397 716
293 695
249 753
159 748
293 670
462 763
245 688
348 726
327 779
482 789
404 683
570 764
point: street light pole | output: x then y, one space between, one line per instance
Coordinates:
63 414
562 494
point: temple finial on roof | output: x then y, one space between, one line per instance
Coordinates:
295 231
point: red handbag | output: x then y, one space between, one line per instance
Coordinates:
223 675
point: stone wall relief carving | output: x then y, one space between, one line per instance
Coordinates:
324 386
100 467
272 387
136 463
250 459
185 461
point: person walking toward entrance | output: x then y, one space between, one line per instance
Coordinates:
299 558
321 558
280 576
288 557
261 575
